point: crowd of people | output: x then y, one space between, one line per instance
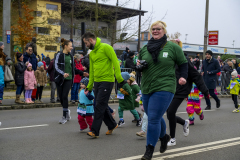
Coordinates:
168 77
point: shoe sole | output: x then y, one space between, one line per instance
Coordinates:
62 122
140 135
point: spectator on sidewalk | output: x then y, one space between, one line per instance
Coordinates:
30 57
50 71
41 77
129 61
77 79
20 67
1 76
47 60
85 61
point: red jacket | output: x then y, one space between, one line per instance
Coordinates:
77 77
44 64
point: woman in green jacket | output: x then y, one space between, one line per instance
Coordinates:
158 83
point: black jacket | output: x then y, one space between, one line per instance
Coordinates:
129 63
47 60
59 66
193 76
85 62
227 68
20 67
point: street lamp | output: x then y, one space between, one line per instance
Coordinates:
233 43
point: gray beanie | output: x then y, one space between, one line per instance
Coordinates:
1 43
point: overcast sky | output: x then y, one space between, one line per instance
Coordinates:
188 17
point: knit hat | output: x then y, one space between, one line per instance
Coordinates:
132 76
19 55
130 54
209 52
234 73
29 65
85 81
1 43
125 75
40 64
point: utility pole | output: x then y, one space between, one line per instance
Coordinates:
6 26
233 43
206 29
72 27
139 27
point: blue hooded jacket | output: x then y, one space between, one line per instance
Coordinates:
1 75
32 59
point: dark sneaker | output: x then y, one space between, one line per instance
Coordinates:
218 104
52 101
63 120
164 142
134 121
208 108
68 117
58 100
121 122
149 153
139 122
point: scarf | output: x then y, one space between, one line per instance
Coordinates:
155 46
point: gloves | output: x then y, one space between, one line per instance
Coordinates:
209 72
45 85
122 84
124 92
38 85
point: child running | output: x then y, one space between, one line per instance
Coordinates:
126 101
194 103
29 83
234 87
85 106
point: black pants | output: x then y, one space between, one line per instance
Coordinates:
171 115
39 92
235 100
63 93
212 94
102 93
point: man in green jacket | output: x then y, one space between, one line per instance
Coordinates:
103 65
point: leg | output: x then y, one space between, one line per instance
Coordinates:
37 94
76 91
211 92
82 122
26 95
53 88
190 110
40 92
145 122
1 92
120 112
157 104
110 109
89 120
171 115
60 92
135 114
235 101
73 92
65 90
197 108
208 102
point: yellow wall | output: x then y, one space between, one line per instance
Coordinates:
55 30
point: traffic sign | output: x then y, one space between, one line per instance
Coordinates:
8 32
8 38
213 38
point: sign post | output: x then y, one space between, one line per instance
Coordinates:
213 38
8 33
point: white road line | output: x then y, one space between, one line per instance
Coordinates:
42 125
198 151
185 148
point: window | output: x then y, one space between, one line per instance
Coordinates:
145 36
54 21
37 13
50 48
52 7
41 30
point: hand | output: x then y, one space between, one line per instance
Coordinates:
65 75
85 74
182 81
138 62
27 63
38 85
122 84
45 85
84 68
86 92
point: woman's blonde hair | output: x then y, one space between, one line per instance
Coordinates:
161 23
77 56
230 63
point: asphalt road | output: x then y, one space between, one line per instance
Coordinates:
217 137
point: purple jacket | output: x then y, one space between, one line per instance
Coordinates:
50 70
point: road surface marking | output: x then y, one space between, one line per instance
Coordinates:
42 125
185 148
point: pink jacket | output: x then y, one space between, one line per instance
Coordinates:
29 80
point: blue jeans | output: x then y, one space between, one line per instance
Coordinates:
19 90
1 91
155 105
74 91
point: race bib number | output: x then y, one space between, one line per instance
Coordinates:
165 54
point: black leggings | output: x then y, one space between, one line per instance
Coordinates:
39 92
63 91
171 115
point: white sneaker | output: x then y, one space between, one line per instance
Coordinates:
68 117
186 128
172 142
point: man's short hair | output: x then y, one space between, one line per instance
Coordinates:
88 35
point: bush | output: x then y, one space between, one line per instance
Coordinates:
228 56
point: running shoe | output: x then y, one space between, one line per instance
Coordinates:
139 122
235 111
68 117
63 120
91 134
109 132
172 142
186 128
120 123
201 116
141 134
191 122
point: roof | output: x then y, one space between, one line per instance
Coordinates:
85 9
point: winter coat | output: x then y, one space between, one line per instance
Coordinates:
227 68
31 59
85 106
129 63
1 75
29 80
77 77
50 70
234 86
210 69
85 62
183 91
59 66
127 102
135 90
47 60
20 67
41 76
